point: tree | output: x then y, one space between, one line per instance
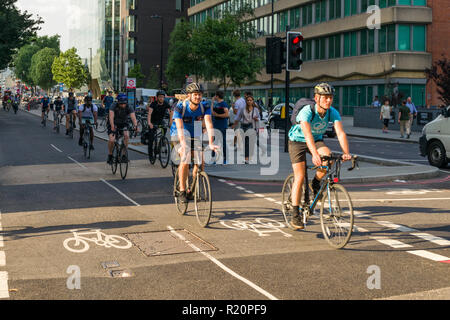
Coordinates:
69 69
41 68
136 72
441 78
17 29
153 79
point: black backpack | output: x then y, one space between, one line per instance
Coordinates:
299 106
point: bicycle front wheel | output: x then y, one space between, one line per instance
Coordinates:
336 216
123 154
202 199
115 159
164 151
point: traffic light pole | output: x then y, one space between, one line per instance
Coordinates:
286 112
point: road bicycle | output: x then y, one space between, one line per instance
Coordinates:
87 145
15 106
71 125
102 124
79 242
160 147
44 121
57 116
336 208
8 106
120 155
199 188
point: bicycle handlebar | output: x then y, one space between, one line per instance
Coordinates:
338 157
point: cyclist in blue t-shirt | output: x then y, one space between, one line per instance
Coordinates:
108 101
45 103
188 117
307 136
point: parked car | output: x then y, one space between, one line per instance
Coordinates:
435 140
274 117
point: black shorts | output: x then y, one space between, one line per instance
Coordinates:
297 150
70 110
44 108
121 127
386 122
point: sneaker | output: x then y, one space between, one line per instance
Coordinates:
67 132
401 136
80 142
189 195
297 222
110 159
407 137
182 197
91 147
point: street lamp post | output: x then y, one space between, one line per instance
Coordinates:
161 61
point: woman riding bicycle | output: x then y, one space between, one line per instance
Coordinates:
307 136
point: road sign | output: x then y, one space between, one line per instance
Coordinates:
131 83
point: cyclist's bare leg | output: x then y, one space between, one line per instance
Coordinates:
112 139
126 138
299 177
320 173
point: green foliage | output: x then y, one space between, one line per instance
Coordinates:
153 79
16 30
41 68
69 69
136 72
439 73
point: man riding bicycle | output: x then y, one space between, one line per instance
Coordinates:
58 108
185 114
118 121
71 105
45 103
156 112
307 136
87 113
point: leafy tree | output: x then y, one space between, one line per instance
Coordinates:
48 42
153 79
16 30
68 68
136 72
41 68
441 78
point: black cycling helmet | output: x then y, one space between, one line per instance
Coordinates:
70 94
87 99
161 92
194 87
323 88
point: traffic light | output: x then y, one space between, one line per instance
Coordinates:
274 55
294 51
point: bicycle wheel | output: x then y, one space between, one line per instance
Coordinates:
123 160
164 151
152 151
115 159
101 127
202 199
181 207
336 216
286 200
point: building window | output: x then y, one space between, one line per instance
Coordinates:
404 37
335 9
131 48
419 38
319 48
295 18
404 2
131 23
178 5
386 38
350 41
131 4
420 3
307 14
365 4
282 21
321 11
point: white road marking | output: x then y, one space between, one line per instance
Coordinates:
394 226
55 148
81 165
259 195
249 191
431 238
360 229
2 259
271 199
392 243
121 193
403 199
4 292
222 266
429 255
240 188
230 184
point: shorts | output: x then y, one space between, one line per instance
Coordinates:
195 145
297 150
44 109
386 122
120 127
71 110
84 120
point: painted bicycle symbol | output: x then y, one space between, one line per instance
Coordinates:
79 242
262 226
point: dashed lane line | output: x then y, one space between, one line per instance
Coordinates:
80 164
56 148
121 193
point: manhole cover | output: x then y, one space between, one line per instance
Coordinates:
120 273
158 243
110 264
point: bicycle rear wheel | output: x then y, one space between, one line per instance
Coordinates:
123 160
286 200
181 207
203 199
164 151
336 216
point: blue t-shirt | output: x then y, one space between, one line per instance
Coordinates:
318 125
220 123
190 117
108 101
45 102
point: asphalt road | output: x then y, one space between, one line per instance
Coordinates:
47 190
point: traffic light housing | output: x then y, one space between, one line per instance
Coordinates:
294 51
274 55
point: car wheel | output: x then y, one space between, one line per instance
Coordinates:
436 155
272 125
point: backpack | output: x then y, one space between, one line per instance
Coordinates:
71 103
184 108
299 106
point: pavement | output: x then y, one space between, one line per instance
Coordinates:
278 165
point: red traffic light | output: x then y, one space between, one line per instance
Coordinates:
297 39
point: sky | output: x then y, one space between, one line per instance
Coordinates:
54 13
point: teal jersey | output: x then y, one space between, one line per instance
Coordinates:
318 125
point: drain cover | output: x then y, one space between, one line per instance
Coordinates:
110 264
120 273
157 243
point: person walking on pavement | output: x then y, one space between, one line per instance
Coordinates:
249 118
239 106
403 118
220 115
412 116
376 103
385 115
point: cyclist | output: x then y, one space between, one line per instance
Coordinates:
185 114
108 101
118 120
45 103
5 99
58 108
87 112
307 136
70 105
156 112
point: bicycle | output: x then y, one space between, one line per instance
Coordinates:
102 124
15 106
87 139
160 146
336 208
57 116
71 125
44 121
120 155
199 188
8 106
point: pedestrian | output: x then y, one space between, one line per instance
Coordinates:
385 115
403 118
239 105
412 116
376 103
249 118
220 113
